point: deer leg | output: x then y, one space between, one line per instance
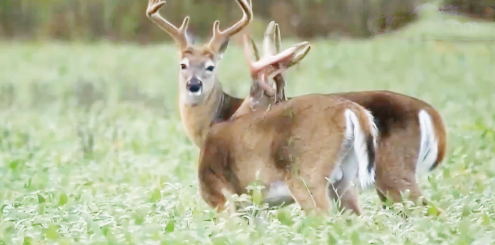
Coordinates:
311 195
214 192
346 195
402 184
341 188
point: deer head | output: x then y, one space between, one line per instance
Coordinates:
272 63
261 94
271 47
198 77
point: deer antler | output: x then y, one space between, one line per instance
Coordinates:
178 34
274 64
274 47
271 46
219 37
269 40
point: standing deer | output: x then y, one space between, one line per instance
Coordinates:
403 122
262 97
288 145
412 133
201 98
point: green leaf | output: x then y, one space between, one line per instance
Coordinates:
14 164
332 239
51 232
2 208
28 240
63 199
284 217
41 199
156 196
138 217
355 239
257 197
170 226
28 183
432 209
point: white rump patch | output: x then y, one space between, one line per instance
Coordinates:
428 147
356 162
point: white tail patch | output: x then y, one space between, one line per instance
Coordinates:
428 147
356 162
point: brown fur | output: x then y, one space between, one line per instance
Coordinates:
398 121
198 112
285 143
396 116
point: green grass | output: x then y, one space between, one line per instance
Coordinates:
92 149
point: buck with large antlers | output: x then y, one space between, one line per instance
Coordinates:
288 145
202 100
412 133
403 122
262 96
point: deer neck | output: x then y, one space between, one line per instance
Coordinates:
198 119
244 108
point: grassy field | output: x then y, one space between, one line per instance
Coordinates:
92 149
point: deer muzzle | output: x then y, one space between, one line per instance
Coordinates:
194 86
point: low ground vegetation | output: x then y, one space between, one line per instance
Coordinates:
92 149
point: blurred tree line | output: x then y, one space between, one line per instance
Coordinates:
125 20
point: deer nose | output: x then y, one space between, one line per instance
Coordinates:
194 85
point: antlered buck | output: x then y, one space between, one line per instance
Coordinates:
202 100
413 138
412 133
297 144
389 170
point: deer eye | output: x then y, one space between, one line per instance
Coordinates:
210 68
183 66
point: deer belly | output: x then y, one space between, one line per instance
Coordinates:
277 193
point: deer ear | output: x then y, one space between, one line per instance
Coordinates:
222 49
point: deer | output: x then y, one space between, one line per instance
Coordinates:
397 117
262 96
201 97
287 145
412 135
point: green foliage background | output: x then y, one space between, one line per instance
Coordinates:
125 20
92 150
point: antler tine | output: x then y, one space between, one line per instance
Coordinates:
277 38
278 78
271 60
269 39
219 37
255 49
277 75
281 58
254 71
299 56
178 34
